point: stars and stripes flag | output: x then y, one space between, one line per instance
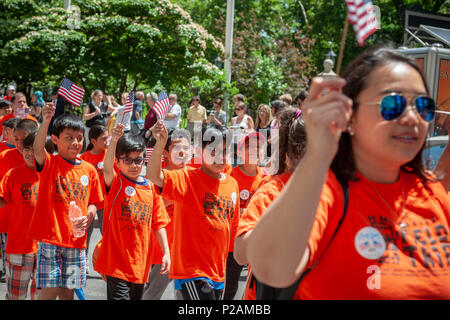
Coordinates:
71 92
129 103
128 108
162 106
361 13
148 153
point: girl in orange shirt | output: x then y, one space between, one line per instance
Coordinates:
292 145
95 154
370 128
248 176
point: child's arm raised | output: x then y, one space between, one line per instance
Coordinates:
108 162
154 172
39 142
161 235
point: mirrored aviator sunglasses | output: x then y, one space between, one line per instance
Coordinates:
393 106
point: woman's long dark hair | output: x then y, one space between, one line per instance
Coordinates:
357 74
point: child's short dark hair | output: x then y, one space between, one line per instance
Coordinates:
27 125
210 132
29 141
4 103
172 134
67 121
129 143
11 123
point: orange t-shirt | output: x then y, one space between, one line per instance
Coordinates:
372 256
205 220
97 161
132 211
4 146
8 159
260 201
247 187
19 187
156 251
61 182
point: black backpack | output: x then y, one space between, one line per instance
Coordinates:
266 292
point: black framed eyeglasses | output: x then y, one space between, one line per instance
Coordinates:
392 106
129 161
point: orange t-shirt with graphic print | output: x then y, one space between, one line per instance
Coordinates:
19 188
133 210
247 187
205 220
258 204
379 252
60 182
9 159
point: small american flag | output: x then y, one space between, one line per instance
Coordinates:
361 13
71 92
129 103
148 153
162 106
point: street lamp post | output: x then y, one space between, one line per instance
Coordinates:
228 49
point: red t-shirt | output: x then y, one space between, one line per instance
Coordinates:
373 256
258 204
132 211
60 182
205 220
19 187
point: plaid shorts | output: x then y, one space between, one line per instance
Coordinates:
60 267
20 270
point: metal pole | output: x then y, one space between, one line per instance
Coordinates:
67 4
228 49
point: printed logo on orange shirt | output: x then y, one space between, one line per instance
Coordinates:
219 210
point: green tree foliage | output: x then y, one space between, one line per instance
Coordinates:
116 46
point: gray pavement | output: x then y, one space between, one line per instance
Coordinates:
96 288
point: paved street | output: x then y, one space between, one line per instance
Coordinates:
96 288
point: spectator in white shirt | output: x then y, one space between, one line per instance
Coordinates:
172 119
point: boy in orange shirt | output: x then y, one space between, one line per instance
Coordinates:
12 158
248 176
175 155
133 210
63 178
8 133
19 188
5 109
205 218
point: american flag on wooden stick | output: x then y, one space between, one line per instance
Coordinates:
162 106
361 13
71 92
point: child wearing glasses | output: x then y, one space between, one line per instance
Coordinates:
206 214
393 243
132 211
63 178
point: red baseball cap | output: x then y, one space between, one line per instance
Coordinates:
250 135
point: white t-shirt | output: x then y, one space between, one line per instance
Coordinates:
173 123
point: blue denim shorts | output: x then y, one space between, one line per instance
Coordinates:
60 267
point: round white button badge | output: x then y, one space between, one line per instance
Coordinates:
369 243
130 191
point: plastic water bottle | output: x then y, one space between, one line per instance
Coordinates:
75 216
